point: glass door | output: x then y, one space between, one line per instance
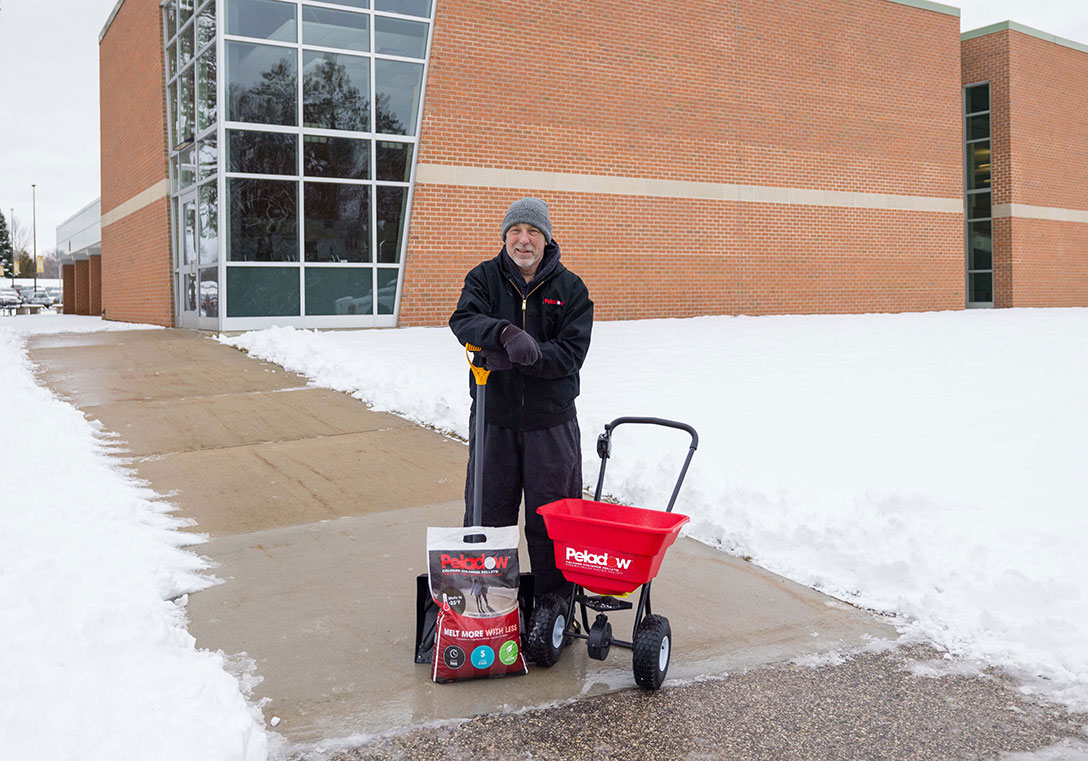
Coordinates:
186 279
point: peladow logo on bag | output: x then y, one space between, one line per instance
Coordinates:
464 562
591 558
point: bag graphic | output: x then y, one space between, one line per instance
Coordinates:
475 586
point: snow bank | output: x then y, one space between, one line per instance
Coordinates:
96 658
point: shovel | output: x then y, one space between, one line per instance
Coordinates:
426 609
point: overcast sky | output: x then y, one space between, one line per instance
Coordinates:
49 94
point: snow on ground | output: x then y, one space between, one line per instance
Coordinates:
48 321
929 466
96 659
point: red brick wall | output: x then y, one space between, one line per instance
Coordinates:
858 95
1002 262
137 287
1048 122
136 255
83 287
1049 137
68 283
94 285
1050 263
1040 157
686 259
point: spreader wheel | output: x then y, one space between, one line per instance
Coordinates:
653 646
547 627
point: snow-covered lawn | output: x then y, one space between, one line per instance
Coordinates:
931 466
95 657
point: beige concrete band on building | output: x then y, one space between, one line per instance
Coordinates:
1050 213
137 202
467 176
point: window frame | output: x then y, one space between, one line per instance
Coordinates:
968 192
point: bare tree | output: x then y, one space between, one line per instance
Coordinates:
51 263
20 236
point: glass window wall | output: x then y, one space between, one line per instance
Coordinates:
420 8
207 157
335 91
262 19
315 207
205 98
252 152
339 291
263 220
329 28
352 3
261 84
399 37
396 103
186 120
392 204
207 207
394 161
339 157
337 222
262 292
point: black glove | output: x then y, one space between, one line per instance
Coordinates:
521 347
496 359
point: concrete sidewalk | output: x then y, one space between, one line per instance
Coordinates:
316 509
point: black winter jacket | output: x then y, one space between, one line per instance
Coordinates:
556 311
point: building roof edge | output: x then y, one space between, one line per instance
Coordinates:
109 21
85 208
928 5
88 207
1013 26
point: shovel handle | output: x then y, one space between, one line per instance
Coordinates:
480 373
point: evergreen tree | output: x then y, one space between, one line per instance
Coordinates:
6 250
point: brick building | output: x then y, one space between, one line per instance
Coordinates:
285 162
1027 156
79 246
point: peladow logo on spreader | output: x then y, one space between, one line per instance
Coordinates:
604 560
475 562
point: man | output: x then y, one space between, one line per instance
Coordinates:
532 318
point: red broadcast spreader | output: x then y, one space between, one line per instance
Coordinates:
606 551
609 549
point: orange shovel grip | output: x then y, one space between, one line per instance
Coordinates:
480 373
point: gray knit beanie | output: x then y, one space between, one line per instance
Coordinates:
529 211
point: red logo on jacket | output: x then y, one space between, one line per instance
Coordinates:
557 302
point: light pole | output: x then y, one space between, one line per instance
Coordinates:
11 230
34 223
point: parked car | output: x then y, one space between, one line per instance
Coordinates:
41 297
9 297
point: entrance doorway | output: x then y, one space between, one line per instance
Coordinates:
186 279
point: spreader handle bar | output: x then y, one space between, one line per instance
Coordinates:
604 449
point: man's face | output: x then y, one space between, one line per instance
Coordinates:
525 244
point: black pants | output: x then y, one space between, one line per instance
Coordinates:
546 465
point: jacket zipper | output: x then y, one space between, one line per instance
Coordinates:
524 304
525 299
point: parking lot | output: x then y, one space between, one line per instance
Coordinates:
20 298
